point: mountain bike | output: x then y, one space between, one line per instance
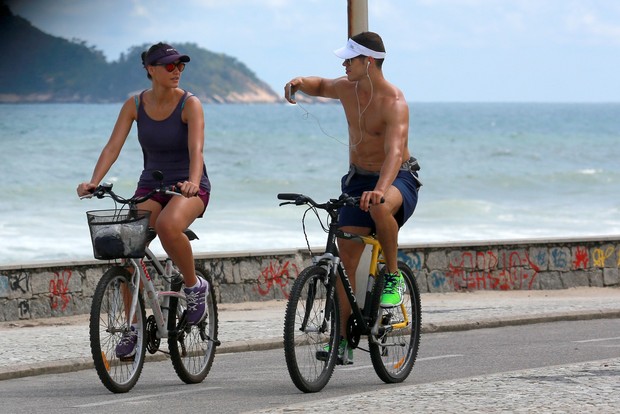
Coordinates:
118 305
312 320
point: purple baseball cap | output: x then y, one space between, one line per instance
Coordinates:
164 54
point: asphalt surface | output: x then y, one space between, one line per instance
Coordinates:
56 345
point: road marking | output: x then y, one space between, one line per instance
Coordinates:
359 367
142 397
440 357
597 340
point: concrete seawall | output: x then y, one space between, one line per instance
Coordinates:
43 290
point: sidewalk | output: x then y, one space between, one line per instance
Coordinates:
35 347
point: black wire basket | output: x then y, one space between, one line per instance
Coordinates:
118 234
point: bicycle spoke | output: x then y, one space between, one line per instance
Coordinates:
308 331
192 349
394 349
108 323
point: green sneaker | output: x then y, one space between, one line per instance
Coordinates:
343 348
393 290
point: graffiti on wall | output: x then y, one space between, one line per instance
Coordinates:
276 276
59 290
19 282
413 260
23 309
581 258
512 269
600 256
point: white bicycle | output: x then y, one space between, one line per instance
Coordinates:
118 303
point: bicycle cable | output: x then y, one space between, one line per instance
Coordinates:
308 114
360 113
303 225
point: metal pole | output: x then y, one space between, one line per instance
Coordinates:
357 13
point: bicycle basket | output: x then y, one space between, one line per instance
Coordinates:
118 233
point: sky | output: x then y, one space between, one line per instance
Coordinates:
437 50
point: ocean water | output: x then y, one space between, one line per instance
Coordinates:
491 172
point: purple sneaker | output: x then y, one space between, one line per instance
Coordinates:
196 308
126 347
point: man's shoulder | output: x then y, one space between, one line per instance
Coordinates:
343 83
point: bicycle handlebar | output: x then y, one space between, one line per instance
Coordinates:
106 189
331 205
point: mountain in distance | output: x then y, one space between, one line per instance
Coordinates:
37 67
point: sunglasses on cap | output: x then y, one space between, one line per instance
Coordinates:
170 66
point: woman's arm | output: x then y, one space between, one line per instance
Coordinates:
112 149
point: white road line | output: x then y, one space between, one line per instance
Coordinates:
440 357
142 397
596 340
359 367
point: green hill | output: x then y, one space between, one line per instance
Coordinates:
37 67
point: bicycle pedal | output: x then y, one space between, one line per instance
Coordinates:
322 355
131 358
340 361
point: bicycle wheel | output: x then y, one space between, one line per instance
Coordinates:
394 349
192 347
311 331
108 321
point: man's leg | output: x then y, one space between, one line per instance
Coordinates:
387 234
350 254
387 227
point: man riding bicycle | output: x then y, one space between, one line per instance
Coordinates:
381 171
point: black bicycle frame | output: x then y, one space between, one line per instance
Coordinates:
331 249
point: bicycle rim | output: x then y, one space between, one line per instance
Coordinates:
310 338
108 322
394 350
192 347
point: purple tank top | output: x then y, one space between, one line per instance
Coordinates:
165 148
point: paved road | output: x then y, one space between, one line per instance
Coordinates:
461 371
61 345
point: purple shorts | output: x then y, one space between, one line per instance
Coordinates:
163 199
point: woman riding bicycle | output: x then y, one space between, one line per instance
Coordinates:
171 133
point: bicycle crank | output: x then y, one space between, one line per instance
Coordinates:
354 332
152 341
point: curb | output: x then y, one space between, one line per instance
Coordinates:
78 364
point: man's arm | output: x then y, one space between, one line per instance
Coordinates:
313 86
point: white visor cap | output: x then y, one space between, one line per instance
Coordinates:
353 49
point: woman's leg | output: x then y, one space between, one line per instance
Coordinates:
177 216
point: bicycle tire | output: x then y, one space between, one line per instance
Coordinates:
108 321
393 352
304 346
192 347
